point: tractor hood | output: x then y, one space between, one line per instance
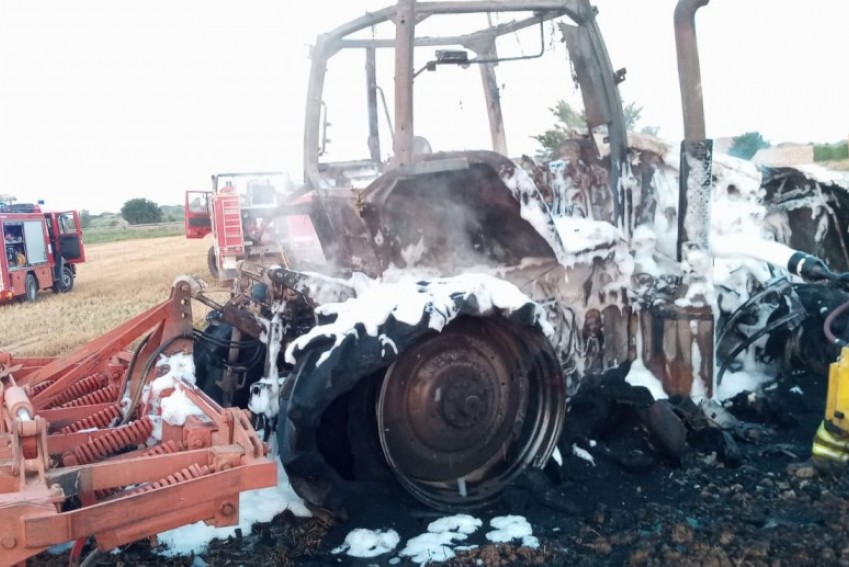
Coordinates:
452 212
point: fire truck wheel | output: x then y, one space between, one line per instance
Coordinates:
66 282
211 263
31 288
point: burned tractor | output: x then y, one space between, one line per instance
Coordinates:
462 299
466 295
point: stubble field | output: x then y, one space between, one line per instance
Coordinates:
118 281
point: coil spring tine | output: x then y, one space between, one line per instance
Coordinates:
130 434
99 420
40 387
165 448
105 493
188 473
77 389
101 396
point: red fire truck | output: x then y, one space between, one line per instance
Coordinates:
41 251
239 212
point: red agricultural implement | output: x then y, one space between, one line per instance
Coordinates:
86 451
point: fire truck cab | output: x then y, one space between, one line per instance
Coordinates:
40 251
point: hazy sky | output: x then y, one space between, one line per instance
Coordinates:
105 100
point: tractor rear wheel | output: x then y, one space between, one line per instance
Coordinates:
463 412
31 288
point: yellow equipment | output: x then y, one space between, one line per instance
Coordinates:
830 450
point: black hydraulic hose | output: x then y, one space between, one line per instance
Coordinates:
826 327
255 357
132 365
254 360
199 335
810 268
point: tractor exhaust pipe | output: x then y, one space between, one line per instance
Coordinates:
679 344
696 150
689 71
693 331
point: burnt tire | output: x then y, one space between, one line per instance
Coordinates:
463 412
65 282
328 434
30 288
212 263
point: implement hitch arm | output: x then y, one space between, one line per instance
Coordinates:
78 458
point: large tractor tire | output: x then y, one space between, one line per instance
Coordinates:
455 418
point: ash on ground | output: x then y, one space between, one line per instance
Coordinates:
641 483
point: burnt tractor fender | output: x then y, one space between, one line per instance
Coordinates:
455 412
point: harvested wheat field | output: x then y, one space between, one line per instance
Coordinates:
118 281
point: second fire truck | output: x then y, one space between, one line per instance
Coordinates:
40 251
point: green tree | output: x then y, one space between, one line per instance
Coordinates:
85 218
831 152
141 211
567 115
172 213
568 121
632 114
747 145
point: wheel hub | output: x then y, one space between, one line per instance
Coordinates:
460 413
450 408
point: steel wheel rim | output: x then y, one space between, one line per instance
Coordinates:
505 411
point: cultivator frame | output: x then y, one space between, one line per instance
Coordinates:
74 458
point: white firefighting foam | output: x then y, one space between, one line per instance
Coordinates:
408 301
440 542
255 506
722 280
164 396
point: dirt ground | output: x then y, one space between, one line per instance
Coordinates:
747 498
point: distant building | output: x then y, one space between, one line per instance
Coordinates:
785 155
